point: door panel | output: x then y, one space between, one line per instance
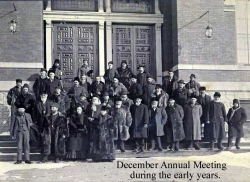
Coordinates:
134 44
74 43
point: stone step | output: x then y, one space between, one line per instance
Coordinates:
146 154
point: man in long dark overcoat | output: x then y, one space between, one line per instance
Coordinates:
139 113
142 75
217 117
53 83
236 117
41 84
192 123
54 131
203 99
180 94
135 89
125 74
174 131
169 83
148 90
157 120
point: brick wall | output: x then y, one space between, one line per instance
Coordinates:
25 45
198 49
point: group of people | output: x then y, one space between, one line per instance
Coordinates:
93 118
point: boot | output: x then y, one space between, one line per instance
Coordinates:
237 143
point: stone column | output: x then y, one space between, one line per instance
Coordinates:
157 10
109 41
48 7
108 6
100 6
158 53
48 44
101 49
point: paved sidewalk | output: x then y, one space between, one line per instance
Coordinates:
237 169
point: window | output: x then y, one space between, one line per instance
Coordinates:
75 5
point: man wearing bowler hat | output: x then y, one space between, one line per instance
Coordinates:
217 117
110 73
193 86
135 89
20 130
53 83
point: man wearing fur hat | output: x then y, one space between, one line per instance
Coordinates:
192 123
142 75
20 130
193 86
55 130
110 73
236 117
53 83
27 99
135 89
13 93
125 74
106 101
116 88
122 121
217 117
180 94
169 83
126 102
41 83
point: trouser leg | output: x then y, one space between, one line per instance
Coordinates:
196 144
176 145
19 145
219 143
237 143
137 144
152 141
158 139
122 145
212 143
229 141
189 143
26 145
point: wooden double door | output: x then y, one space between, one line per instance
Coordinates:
134 44
74 43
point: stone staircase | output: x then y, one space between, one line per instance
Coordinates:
8 150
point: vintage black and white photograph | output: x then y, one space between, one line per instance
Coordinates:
125 90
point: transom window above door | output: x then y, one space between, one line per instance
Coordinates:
74 5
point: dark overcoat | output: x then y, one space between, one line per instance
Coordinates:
40 86
96 87
236 118
109 75
103 145
53 84
156 125
60 133
135 90
125 75
181 96
174 127
142 78
122 122
194 87
217 116
140 118
28 100
148 90
191 121
169 85
204 102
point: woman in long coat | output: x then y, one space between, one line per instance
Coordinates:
192 123
78 139
139 113
236 117
174 131
103 144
